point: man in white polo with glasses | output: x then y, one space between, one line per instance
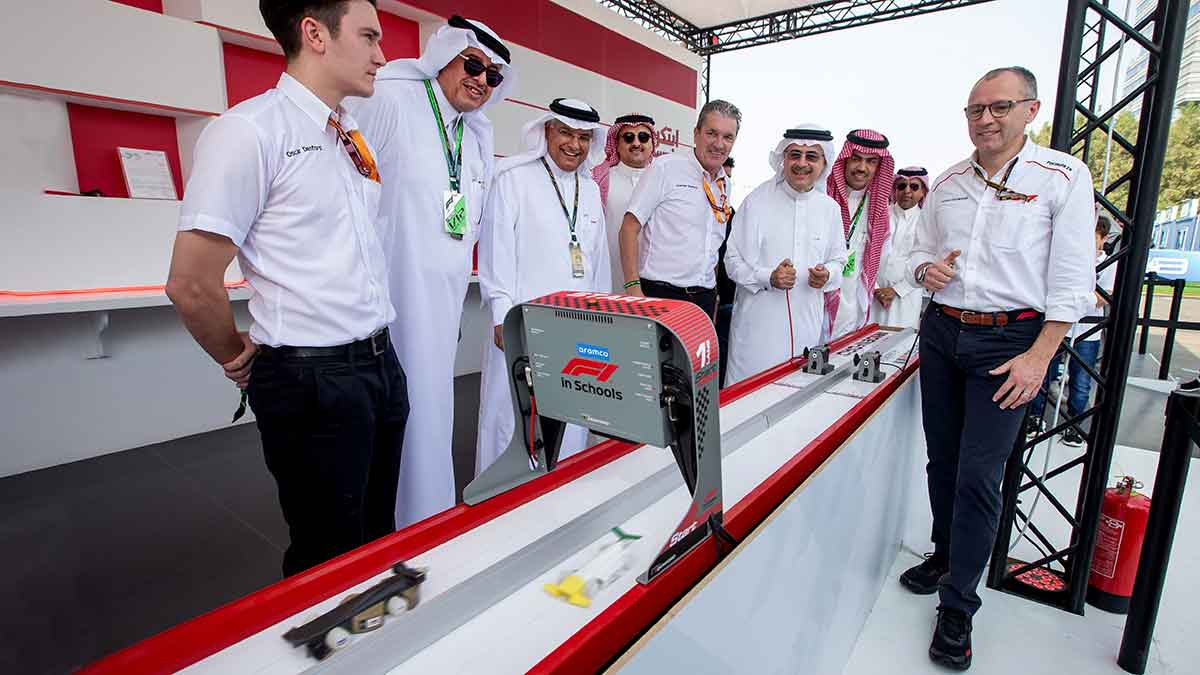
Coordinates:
1005 244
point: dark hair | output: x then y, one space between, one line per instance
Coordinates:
1027 78
283 18
1104 224
728 162
723 108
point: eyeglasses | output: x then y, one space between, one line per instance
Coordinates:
474 67
998 108
642 136
904 185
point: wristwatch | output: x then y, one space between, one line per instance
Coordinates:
919 275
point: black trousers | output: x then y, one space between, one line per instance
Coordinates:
969 439
332 429
704 298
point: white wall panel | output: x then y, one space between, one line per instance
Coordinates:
87 242
239 15
110 49
37 147
60 407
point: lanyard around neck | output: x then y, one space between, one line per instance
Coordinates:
720 212
1003 192
453 160
574 214
854 220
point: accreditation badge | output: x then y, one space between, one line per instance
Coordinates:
576 260
454 207
848 269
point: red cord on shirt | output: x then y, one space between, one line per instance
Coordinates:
787 295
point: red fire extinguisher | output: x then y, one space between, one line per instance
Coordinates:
1118 546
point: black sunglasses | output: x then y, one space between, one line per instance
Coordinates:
474 67
642 136
901 186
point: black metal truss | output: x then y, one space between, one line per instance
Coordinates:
811 20
1160 33
823 17
654 17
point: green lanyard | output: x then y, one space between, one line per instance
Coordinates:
562 202
850 267
854 220
453 160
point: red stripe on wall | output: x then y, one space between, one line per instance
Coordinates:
556 31
97 132
401 37
149 5
249 72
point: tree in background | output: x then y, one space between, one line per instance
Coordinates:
1125 125
1181 170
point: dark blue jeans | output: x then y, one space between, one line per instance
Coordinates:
1079 382
969 439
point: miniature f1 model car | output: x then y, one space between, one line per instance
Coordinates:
360 613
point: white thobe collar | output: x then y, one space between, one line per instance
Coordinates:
632 172
794 194
559 175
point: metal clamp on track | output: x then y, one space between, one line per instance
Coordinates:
817 360
866 367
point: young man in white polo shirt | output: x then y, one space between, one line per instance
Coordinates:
285 182
675 221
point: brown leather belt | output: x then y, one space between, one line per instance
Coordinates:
998 319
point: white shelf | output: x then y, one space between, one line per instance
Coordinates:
94 302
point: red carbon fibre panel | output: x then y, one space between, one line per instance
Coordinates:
687 321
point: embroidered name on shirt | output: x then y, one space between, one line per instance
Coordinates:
1059 164
952 199
304 148
687 185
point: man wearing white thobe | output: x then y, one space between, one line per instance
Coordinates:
420 111
545 232
897 300
785 240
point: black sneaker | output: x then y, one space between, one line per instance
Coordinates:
1072 437
923 579
951 646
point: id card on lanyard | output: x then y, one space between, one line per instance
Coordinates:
574 249
454 202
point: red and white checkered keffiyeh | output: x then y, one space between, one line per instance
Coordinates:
878 194
611 155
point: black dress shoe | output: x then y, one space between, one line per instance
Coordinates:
923 579
951 646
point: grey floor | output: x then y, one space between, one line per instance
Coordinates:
99 554
102 553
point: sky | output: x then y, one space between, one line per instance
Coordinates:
907 78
